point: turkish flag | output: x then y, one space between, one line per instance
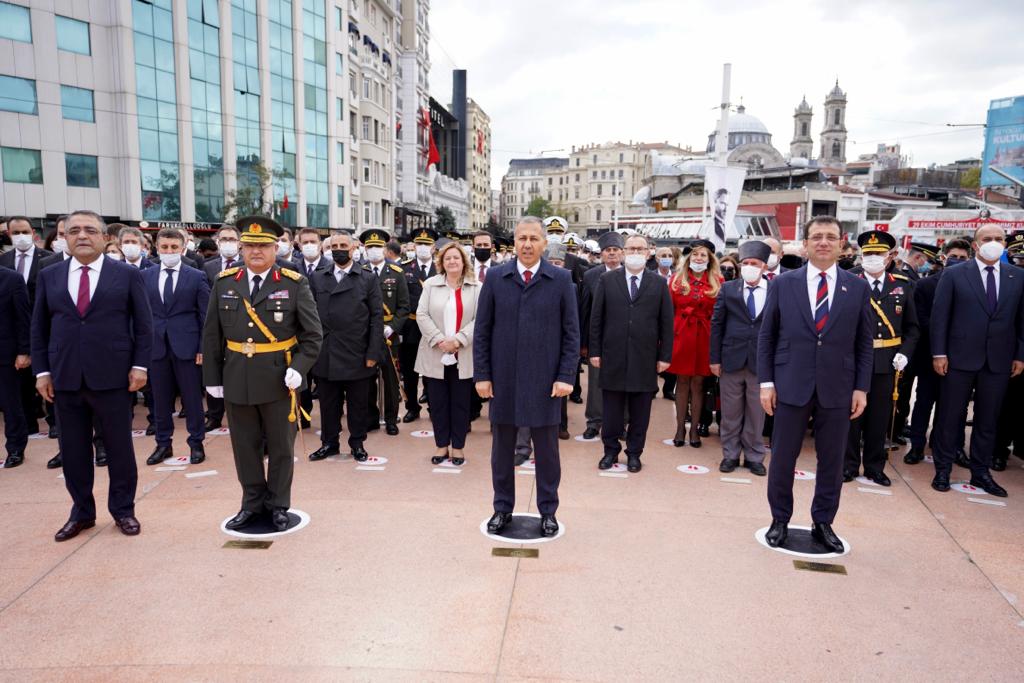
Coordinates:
284 205
479 142
433 156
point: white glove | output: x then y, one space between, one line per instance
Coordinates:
216 392
292 379
899 361
388 332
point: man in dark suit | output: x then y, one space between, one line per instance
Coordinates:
814 358
92 336
311 256
416 272
735 325
179 297
14 357
130 242
977 335
526 312
611 258
227 257
631 342
351 313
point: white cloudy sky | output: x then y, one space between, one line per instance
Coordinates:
556 73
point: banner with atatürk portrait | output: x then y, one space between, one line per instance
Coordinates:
723 185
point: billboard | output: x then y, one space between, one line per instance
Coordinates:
1004 140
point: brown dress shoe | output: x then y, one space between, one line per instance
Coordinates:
129 526
72 528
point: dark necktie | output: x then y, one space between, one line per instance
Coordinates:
228 262
770 276
169 288
878 289
990 289
255 286
423 272
309 269
751 307
376 271
633 289
821 304
83 292
483 274
21 263
526 276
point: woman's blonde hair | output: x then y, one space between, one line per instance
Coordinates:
681 280
467 272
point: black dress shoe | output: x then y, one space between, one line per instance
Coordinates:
519 459
989 486
678 443
53 433
633 464
880 478
391 428
669 395
359 454
55 462
210 425
823 534
101 456
129 526
590 433
941 482
150 430
777 533
900 439
914 456
422 398
14 459
438 459
197 455
563 434
324 451
962 459
159 454
279 516
411 417
576 398
498 521
607 461
548 526
240 520
374 426
695 443
703 430
999 463
728 465
757 468
848 477
72 528
305 424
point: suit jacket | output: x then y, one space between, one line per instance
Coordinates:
298 264
962 328
99 349
190 259
586 302
430 319
352 316
414 280
178 328
733 333
801 362
631 336
924 299
526 338
15 314
52 259
8 259
145 264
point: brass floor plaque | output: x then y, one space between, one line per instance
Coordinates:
515 552
826 567
248 545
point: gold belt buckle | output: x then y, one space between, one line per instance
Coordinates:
248 348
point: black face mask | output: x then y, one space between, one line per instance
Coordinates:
729 273
482 254
341 257
953 260
847 262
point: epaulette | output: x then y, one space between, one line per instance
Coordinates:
366 266
397 269
407 261
289 273
900 277
229 271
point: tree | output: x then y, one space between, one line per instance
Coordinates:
254 183
444 219
971 179
539 207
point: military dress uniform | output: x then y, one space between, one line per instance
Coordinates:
255 331
1010 430
395 292
907 380
896 331
415 274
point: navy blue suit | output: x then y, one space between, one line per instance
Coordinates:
980 347
815 375
14 341
89 358
177 339
526 338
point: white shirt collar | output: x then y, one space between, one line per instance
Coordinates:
982 266
338 269
813 272
522 269
96 265
263 276
29 253
174 268
639 276
423 264
761 284
485 264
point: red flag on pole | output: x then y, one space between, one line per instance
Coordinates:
433 156
285 204
906 242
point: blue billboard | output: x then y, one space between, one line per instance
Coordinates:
1004 141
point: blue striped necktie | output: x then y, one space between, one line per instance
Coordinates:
821 304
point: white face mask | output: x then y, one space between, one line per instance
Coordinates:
310 251
423 252
375 254
228 249
360 254
873 263
635 262
555 237
773 261
21 242
991 251
751 274
115 256
698 267
132 252
60 245
170 260
284 248
410 255
327 254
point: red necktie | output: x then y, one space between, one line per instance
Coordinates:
83 292
228 262
526 276
769 276
483 274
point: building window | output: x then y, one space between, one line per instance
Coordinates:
22 165
576 193
366 171
207 136
837 150
76 104
366 88
339 64
245 65
341 196
18 95
599 188
598 215
621 157
803 129
15 23
576 217
620 172
82 170
340 149
340 106
838 113
338 23
366 213
73 35
593 175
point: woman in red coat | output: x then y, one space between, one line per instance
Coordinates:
694 288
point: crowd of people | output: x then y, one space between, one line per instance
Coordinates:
98 315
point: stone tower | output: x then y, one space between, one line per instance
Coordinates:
802 145
833 135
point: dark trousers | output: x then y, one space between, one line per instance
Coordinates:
503 475
831 426
669 383
170 376
249 425
15 424
306 398
989 389
112 410
577 388
1011 429
615 404
333 395
30 398
214 409
903 410
391 396
449 401
872 426
925 395
407 352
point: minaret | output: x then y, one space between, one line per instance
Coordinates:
802 145
833 135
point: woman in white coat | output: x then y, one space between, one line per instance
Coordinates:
445 315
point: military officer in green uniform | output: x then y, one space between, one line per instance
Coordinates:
417 269
395 292
261 338
896 331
